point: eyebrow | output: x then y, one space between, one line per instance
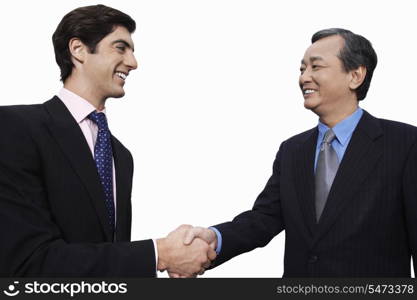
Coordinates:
125 43
312 59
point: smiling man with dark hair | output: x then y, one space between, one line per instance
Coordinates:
66 181
344 191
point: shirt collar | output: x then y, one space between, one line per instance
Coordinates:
344 129
78 106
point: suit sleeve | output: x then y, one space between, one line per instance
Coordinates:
256 227
32 244
410 199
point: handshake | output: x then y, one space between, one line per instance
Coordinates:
187 251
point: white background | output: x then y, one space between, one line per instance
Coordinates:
214 96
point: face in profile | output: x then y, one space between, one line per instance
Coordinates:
108 67
323 80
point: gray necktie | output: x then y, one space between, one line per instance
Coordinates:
327 164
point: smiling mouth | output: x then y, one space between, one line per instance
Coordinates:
307 92
121 75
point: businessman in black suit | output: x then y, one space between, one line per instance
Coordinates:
65 181
345 192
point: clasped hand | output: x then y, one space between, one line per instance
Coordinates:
187 251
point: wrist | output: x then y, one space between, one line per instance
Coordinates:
213 238
161 245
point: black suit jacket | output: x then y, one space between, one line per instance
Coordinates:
52 210
369 225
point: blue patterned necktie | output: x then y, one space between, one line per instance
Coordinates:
103 155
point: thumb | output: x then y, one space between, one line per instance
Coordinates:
190 235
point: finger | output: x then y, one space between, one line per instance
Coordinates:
185 275
211 254
207 265
201 272
197 273
174 275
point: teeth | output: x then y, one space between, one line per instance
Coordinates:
121 75
309 91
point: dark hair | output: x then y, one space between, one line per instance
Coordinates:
90 24
356 52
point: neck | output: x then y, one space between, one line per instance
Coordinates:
78 86
331 118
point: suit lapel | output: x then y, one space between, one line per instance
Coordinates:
70 138
304 166
123 184
363 152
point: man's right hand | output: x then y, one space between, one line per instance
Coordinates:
184 259
205 234
193 234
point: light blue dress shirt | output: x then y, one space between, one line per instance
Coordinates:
343 131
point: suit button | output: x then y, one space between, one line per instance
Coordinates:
313 259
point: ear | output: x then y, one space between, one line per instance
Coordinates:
358 76
77 49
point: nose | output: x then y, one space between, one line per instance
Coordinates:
131 61
305 76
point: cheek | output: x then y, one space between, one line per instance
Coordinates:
329 83
97 70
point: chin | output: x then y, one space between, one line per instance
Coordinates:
308 104
118 94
